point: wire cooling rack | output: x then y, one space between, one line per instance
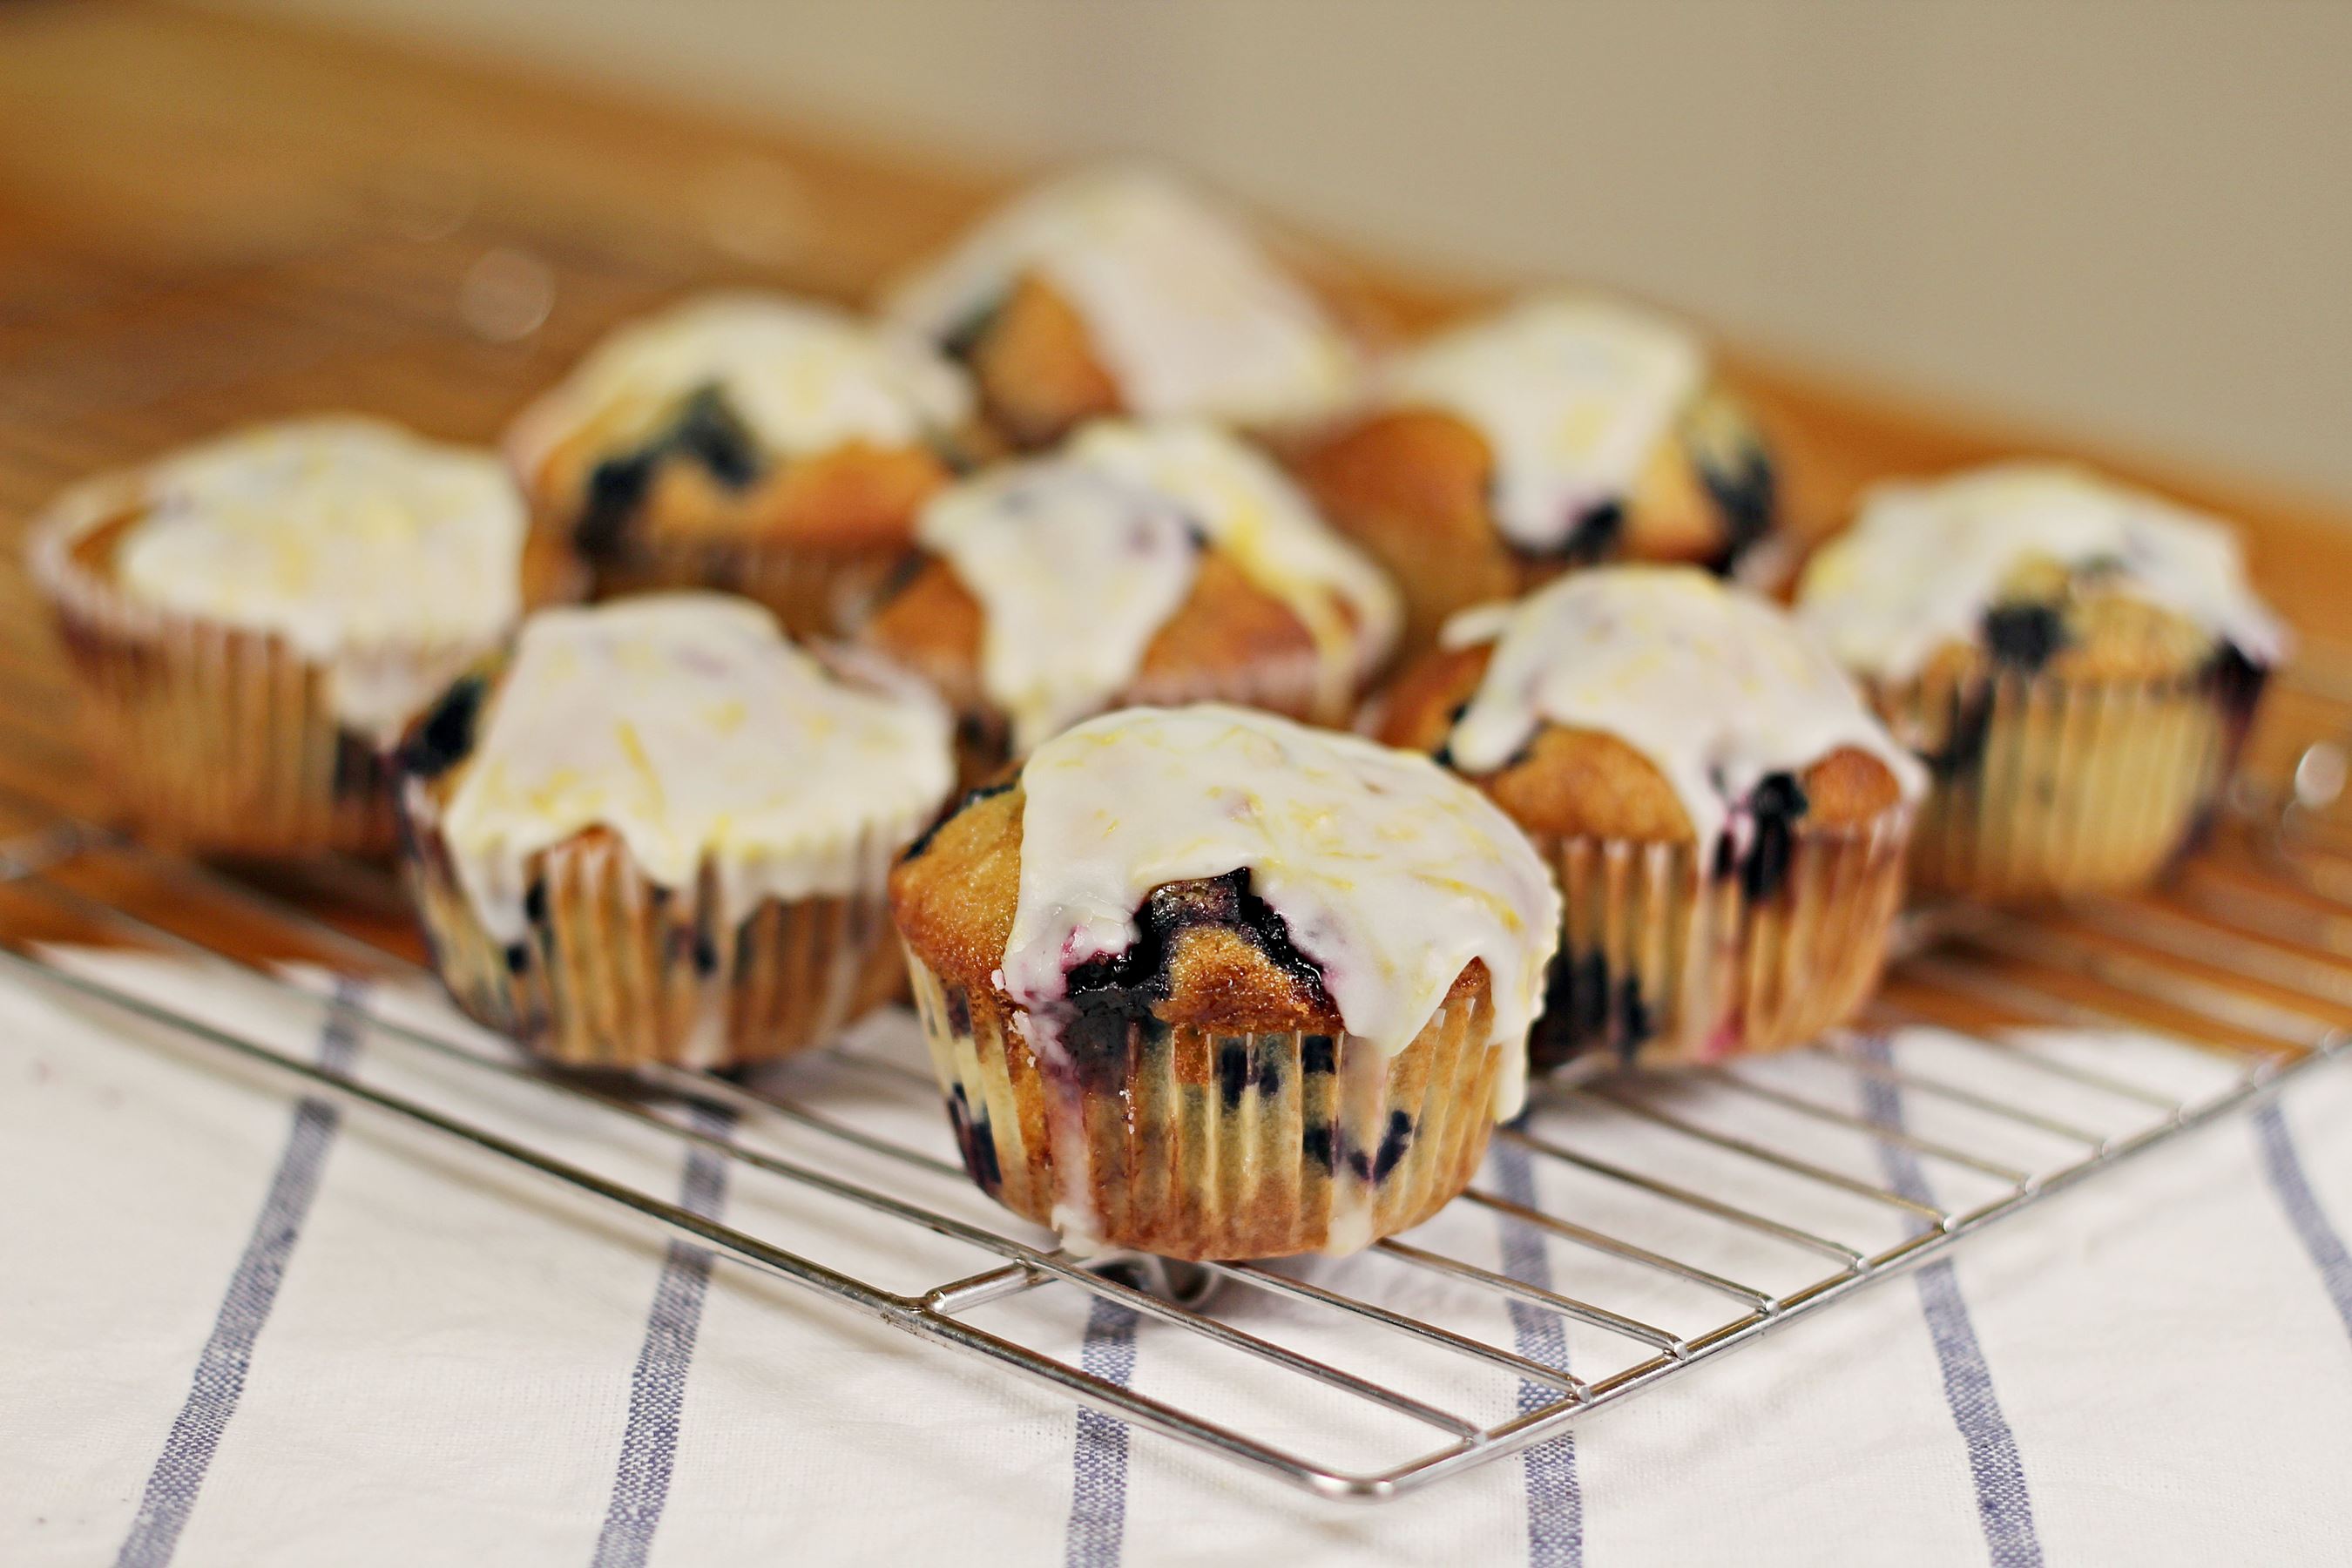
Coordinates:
1630 1229
1646 1224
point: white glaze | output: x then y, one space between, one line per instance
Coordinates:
1079 559
803 377
1184 308
690 727
1390 874
368 550
1716 688
1925 561
1572 395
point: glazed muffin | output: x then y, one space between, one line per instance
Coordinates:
658 832
1161 562
767 446
1557 433
251 621
1725 817
2076 662
1206 982
1120 291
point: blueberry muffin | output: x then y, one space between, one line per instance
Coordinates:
767 446
1122 292
658 832
1557 433
1155 562
2076 662
252 620
1726 816
1209 983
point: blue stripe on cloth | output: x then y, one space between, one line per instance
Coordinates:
219 1381
2288 1180
658 1387
1555 1498
1096 1532
2004 1506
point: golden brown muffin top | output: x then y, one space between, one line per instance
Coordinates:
1647 703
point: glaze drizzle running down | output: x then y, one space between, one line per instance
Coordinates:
348 537
1572 394
1388 874
1079 559
803 377
689 726
1719 689
1925 562
1185 309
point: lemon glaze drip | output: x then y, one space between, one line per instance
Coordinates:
1391 874
1079 559
687 725
803 377
1572 395
1716 688
1926 560
350 537
1185 307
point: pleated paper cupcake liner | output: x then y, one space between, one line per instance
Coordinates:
616 971
1671 956
2050 787
213 737
814 592
1194 1145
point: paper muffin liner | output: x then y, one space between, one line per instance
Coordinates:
615 970
1195 1144
1671 954
2046 787
215 737
816 591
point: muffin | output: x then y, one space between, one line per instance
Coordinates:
772 447
1209 983
1158 563
1557 433
1726 816
2076 662
251 621
1122 292
658 832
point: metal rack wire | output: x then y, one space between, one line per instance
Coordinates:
1631 1229
2238 969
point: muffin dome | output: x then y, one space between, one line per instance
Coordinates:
1120 291
660 831
1559 432
2034 567
258 616
1161 888
2077 663
750 441
1726 815
1143 563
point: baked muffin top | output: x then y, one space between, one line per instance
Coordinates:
1076 565
2033 566
1223 868
352 540
687 724
1654 703
741 390
1182 308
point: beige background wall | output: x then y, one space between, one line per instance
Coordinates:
2129 220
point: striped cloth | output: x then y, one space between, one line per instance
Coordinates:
246 1326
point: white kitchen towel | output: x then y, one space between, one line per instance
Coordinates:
240 1325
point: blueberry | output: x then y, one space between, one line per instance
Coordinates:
2024 637
709 431
1745 496
617 487
447 735
1393 1146
1777 803
1315 1144
1232 1072
1318 1054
